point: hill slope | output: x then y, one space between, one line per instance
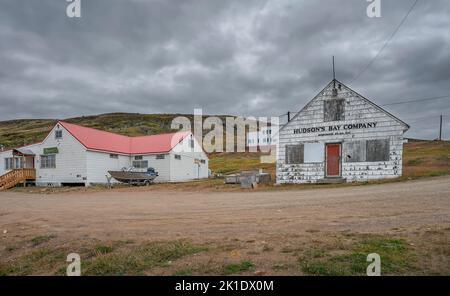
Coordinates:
21 132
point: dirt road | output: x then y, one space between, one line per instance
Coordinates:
208 216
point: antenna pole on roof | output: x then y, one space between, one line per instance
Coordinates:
334 71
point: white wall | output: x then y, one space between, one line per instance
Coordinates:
357 110
162 166
186 169
99 163
70 160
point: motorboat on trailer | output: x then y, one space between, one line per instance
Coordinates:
130 176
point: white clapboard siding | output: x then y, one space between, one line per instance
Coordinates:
186 169
70 160
99 163
162 166
357 110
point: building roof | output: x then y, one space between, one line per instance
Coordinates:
94 139
23 151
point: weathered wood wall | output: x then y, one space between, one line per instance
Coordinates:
355 142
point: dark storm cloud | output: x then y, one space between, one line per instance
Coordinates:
228 57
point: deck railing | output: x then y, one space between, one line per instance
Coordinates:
15 177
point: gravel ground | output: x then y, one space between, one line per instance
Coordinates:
165 215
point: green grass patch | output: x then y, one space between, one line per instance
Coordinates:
414 162
136 261
183 272
396 258
238 267
116 258
35 241
40 261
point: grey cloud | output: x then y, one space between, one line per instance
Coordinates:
257 58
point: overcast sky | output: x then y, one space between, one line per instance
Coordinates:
228 57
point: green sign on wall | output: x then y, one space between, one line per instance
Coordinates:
51 150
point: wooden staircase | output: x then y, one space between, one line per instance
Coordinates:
15 177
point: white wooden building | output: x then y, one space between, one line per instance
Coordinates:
262 138
73 154
340 136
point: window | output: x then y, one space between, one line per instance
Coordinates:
140 164
114 156
177 156
202 161
355 151
314 152
333 110
58 134
48 161
370 151
160 156
377 150
14 163
138 157
9 163
191 142
294 154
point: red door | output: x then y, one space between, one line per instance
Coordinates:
333 160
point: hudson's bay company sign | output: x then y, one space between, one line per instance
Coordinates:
335 129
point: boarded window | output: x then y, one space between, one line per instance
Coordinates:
333 110
377 150
355 151
140 164
314 152
294 154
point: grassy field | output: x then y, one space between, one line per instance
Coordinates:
324 254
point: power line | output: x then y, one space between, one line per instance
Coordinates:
386 42
416 100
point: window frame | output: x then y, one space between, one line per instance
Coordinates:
47 164
143 164
58 134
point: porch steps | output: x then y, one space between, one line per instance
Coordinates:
17 176
331 181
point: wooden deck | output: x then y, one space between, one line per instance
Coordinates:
15 177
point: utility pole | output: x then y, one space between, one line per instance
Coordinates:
440 129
